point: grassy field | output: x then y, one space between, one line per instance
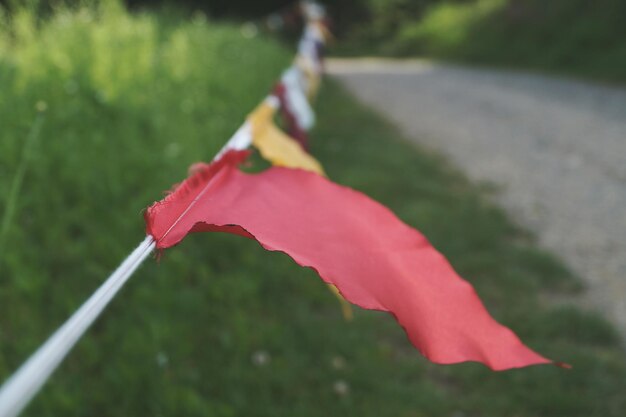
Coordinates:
220 327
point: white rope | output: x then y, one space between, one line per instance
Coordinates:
242 139
17 392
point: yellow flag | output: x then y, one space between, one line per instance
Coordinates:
281 150
261 117
276 146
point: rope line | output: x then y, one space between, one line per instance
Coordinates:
17 392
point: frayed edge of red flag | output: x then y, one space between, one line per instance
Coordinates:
200 175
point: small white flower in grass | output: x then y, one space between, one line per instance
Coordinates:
261 358
41 106
249 30
341 388
162 360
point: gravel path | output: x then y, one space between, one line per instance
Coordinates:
557 148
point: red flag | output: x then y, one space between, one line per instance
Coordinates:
375 260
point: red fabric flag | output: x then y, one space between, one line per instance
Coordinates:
375 260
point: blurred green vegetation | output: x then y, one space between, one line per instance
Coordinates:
219 327
574 37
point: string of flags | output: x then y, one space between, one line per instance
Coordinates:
355 244
358 247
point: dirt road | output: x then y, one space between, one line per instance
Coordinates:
556 147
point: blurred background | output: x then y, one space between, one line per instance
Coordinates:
569 36
474 137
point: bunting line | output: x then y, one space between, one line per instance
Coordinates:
292 95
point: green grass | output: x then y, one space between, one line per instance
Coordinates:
181 338
573 37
